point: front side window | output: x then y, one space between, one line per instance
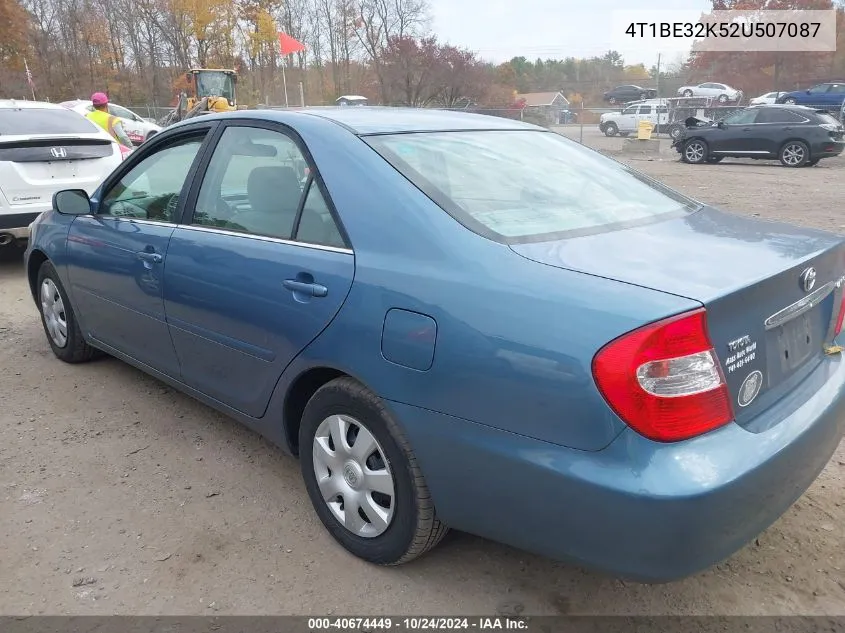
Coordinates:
520 186
743 117
151 189
631 110
645 109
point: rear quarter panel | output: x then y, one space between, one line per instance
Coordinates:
514 339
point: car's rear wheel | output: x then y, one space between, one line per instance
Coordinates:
813 161
714 159
611 129
794 154
695 151
723 98
687 93
59 320
363 478
789 100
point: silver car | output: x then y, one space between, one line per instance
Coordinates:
721 92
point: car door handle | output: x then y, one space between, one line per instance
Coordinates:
306 288
146 256
746 129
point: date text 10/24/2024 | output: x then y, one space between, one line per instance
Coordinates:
420 623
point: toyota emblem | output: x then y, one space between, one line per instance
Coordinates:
808 279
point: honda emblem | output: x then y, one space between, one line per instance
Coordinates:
58 152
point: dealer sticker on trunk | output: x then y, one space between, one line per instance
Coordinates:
750 388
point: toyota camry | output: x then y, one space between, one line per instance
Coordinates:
466 322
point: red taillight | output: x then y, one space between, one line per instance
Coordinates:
664 379
841 317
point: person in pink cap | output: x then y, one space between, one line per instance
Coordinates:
110 123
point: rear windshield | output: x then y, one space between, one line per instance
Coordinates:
43 121
523 186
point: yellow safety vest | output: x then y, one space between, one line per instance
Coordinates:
105 121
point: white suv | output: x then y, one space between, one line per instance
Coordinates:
136 127
45 148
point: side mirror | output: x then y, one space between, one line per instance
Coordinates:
808 91
722 124
71 202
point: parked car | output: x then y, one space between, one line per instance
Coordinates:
45 148
626 122
798 136
623 94
137 128
723 93
482 326
766 99
830 93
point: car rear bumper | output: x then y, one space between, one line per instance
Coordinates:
17 224
827 149
638 509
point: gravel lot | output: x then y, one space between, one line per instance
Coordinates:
119 495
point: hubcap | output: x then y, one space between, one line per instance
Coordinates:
53 309
694 152
353 476
793 154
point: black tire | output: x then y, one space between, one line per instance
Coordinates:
624 134
611 100
714 159
149 136
813 161
611 129
75 349
789 101
723 98
695 151
687 93
414 528
794 154
643 96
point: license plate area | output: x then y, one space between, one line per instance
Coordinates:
794 343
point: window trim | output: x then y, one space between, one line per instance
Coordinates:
186 217
161 143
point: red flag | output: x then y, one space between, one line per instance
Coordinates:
288 45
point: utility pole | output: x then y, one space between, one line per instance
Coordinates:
658 76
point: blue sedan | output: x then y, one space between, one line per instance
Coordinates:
466 322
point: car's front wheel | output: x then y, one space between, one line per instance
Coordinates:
789 101
363 478
611 129
687 93
794 154
695 151
59 320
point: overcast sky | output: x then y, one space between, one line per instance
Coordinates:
501 29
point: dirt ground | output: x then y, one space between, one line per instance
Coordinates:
119 495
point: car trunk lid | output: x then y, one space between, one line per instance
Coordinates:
33 168
769 324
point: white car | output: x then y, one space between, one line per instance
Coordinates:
723 93
137 128
766 99
45 148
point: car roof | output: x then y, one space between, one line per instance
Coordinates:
16 104
366 120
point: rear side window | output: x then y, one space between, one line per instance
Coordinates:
43 121
522 186
772 115
645 109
